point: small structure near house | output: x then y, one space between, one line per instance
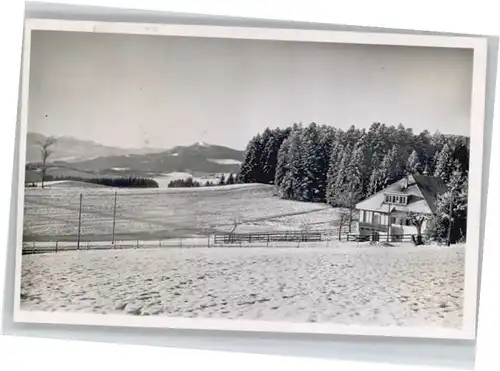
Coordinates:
401 211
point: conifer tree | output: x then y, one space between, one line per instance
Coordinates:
333 170
283 161
222 180
265 157
251 168
374 181
351 191
449 224
443 168
230 179
341 177
386 171
290 183
325 147
310 162
270 158
413 164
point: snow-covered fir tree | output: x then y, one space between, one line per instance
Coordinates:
451 209
444 163
413 164
310 159
251 166
282 163
309 163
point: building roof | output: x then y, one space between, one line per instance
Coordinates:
423 192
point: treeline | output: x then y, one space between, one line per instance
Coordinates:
325 164
120 182
125 182
190 182
341 167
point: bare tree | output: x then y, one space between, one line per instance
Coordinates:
349 199
46 151
236 222
304 230
417 220
344 219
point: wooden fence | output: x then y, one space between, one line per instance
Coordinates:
290 236
215 240
380 237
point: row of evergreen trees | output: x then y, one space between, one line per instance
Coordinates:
190 182
125 182
324 164
184 183
121 182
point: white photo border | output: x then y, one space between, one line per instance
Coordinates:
472 254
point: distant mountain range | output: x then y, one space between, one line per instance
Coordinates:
73 157
69 149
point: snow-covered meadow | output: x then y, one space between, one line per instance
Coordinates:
52 213
327 281
345 284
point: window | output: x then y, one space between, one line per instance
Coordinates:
396 200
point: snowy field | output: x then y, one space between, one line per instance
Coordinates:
347 284
52 213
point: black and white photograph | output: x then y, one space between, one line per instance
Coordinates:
265 184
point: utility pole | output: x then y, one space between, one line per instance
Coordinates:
388 222
448 238
79 223
114 219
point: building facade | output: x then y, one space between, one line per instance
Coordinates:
401 209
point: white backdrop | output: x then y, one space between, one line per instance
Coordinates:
447 16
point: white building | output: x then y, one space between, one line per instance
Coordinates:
398 208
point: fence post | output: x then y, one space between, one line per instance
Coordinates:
56 245
180 241
267 240
159 243
137 244
114 218
33 248
79 222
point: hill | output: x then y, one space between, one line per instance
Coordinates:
69 149
197 159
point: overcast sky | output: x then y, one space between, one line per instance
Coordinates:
136 91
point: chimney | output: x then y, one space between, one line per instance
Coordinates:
404 186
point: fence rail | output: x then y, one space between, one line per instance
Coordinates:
379 237
258 239
271 240
292 236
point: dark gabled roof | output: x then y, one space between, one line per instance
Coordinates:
423 192
431 187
